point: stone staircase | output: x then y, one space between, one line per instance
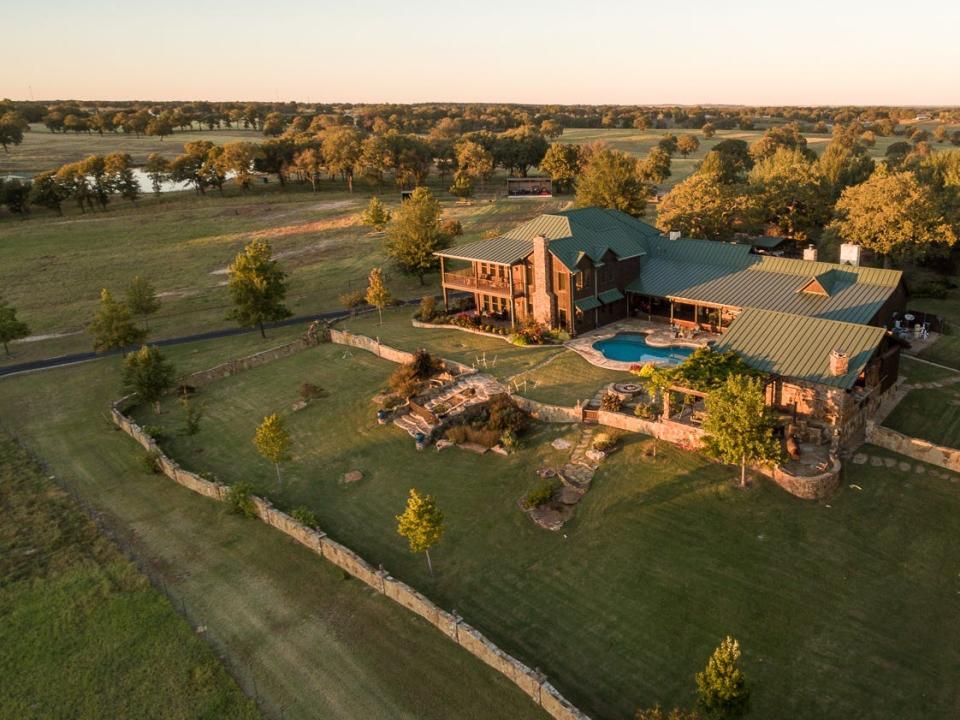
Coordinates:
455 397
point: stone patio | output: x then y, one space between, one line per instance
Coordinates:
658 335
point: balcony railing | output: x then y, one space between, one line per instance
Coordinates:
466 280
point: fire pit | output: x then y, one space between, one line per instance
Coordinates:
627 390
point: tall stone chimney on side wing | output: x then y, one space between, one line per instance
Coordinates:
543 299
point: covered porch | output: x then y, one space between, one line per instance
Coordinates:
682 313
497 291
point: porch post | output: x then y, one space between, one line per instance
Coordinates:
513 318
671 312
443 285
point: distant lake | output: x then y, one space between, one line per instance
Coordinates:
146 187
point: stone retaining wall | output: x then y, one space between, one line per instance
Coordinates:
812 487
686 436
472 640
362 342
548 413
922 450
232 367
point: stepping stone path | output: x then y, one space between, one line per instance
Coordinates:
352 476
904 466
575 475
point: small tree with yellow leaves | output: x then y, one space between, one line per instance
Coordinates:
377 293
421 524
273 441
721 688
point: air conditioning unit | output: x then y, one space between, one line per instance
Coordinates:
674 234
810 253
850 254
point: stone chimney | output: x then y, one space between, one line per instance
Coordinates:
543 298
810 253
839 363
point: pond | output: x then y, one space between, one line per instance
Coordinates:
633 347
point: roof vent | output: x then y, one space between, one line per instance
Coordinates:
839 363
810 253
674 234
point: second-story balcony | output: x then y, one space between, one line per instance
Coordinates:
468 280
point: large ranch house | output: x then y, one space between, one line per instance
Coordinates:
818 328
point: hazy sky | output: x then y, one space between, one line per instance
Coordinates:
595 51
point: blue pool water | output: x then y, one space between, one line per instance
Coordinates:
632 347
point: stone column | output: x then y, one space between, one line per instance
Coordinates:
543 298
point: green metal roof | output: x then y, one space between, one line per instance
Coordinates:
572 235
587 303
767 242
610 296
728 275
500 250
795 346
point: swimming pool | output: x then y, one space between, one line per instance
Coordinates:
632 347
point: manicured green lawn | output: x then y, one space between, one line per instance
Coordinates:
566 379
489 354
929 413
298 635
84 634
844 608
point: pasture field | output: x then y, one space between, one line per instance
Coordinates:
302 639
52 269
44 150
843 607
84 634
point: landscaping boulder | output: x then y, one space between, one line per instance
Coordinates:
561 444
352 476
547 518
579 476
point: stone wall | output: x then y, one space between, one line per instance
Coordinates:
548 413
232 367
472 640
362 342
686 436
922 450
812 487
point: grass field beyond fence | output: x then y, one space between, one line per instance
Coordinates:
84 634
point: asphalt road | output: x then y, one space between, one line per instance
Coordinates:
62 360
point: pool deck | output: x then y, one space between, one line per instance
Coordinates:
658 335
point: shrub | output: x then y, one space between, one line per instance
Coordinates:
533 332
645 371
391 401
240 499
404 382
451 228
604 442
158 434
509 441
459 434
192 412
306 516
151 463
936 289
541 494
428 308
309 391
505 415
441 408
353 299
645 411
611 402
424 365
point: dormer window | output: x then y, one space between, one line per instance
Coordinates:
815 287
